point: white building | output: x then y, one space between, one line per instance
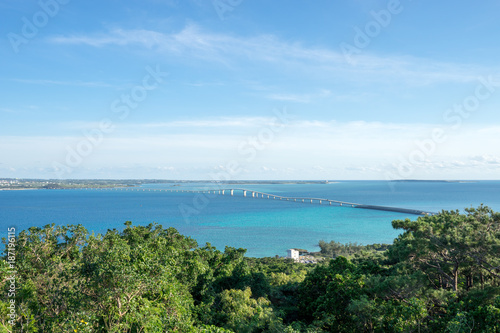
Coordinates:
293 254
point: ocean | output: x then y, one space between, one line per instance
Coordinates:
264 227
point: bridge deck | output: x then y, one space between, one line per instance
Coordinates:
279 197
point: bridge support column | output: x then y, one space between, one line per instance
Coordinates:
232 192
222 192
253 194
311 200
320 202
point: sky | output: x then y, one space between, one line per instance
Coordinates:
250 89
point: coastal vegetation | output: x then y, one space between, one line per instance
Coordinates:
334 249
442 274
54 184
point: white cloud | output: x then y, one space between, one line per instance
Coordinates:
206 125
300 98
290 97
217 123
194 42
65 83
486 160
334 150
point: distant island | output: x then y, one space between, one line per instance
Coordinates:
431 181
51 184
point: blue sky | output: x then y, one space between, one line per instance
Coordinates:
249 89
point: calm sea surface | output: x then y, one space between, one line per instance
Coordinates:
264 227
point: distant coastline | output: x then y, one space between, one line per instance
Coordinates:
54 184
431 181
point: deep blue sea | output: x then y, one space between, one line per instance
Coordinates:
264 227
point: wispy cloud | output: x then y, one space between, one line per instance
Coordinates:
205 84
348 149
7 110
300 98
193 41
214 123
487 160
465 163
349 129
235 123
290 97
64 83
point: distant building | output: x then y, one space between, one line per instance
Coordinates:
293 254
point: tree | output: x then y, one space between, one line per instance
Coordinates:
130 280
453 249
441 275
245 314
326 293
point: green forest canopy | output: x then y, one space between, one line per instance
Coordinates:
442 274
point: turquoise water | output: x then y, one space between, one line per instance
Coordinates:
264 227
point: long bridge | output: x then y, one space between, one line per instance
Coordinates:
257 194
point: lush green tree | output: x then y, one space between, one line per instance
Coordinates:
326 293
334 249
452 249
442 274
47 261
130 279
245 314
